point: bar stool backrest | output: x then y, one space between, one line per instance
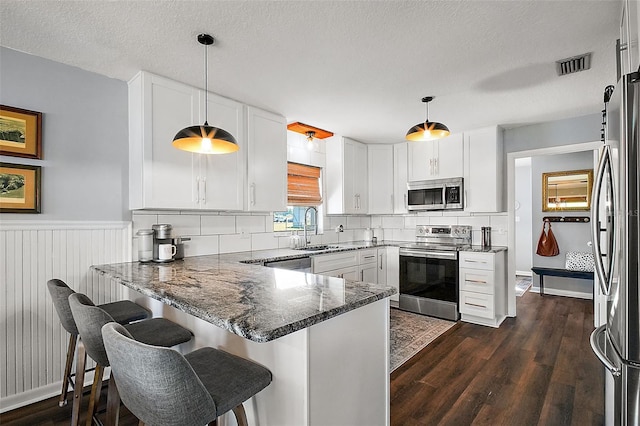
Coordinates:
89 320
158 385
60 293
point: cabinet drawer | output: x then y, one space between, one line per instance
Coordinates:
475 260
329 262
367 256
478 280
478 304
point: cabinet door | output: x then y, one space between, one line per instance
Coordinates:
369 273
361 178
349 190
222 176
400 178
380 165
483 170
266 161
449 158
393 270
169 173
420 160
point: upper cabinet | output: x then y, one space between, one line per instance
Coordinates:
380 165
346 176
400 177
266 161
163 177
483 170
437 159
629 30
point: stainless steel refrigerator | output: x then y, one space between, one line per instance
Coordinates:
616 238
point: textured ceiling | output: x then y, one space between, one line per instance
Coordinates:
356 68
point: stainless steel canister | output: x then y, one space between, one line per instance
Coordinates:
179 243
486 237
162 230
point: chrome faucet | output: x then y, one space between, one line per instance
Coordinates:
307 241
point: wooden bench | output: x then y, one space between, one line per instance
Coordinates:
556 272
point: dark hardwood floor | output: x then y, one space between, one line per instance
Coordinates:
536 369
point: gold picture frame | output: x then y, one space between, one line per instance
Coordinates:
567 191
20 132
19 188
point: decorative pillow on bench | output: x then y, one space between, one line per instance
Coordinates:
579 261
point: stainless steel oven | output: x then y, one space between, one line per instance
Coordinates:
429 271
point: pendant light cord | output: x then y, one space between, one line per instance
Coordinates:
206 87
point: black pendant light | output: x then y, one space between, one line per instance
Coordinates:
428 130
205 139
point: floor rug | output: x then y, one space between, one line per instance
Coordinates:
522 284
412 332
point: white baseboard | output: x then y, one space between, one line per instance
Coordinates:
565 293
525 273
32 396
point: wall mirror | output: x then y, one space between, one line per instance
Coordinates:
567 191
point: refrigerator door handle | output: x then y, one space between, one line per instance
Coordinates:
603 279
602 356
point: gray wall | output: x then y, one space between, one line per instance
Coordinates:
523 228
85 136
570 236
554 133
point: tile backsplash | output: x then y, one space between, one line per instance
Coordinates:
221 232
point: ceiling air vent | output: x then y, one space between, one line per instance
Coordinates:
574 64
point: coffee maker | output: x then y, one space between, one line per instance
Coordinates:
163 248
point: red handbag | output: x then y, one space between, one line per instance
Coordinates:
547 244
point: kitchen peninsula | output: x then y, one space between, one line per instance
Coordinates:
326 340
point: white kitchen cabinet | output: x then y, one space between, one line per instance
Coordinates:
266 161
483 170
346 176
333 261
162 176
483 287
380 167
629 29
368 265
393 270
436 159
400 178
382 265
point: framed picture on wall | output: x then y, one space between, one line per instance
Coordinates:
20 132
19 188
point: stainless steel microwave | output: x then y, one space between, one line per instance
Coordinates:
437 194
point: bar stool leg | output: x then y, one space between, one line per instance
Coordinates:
240 414
81 362
95 394
113 403
71 351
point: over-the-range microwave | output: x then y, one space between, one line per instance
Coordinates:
437 194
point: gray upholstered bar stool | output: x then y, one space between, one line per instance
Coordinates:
90 319
123 312
162 387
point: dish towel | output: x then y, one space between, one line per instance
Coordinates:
547 244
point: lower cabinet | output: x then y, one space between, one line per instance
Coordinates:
368 265
392 265
483 288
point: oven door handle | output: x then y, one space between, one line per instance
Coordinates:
431 254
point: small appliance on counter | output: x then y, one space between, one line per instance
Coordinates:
163 248
368 235
179 243
486 237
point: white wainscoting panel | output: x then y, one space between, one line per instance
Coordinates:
33 343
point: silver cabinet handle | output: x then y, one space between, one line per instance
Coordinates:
204 190
252 194
381 261
362 275
197 189
475 281
475 304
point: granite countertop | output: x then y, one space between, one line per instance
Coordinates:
252 301
480 249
